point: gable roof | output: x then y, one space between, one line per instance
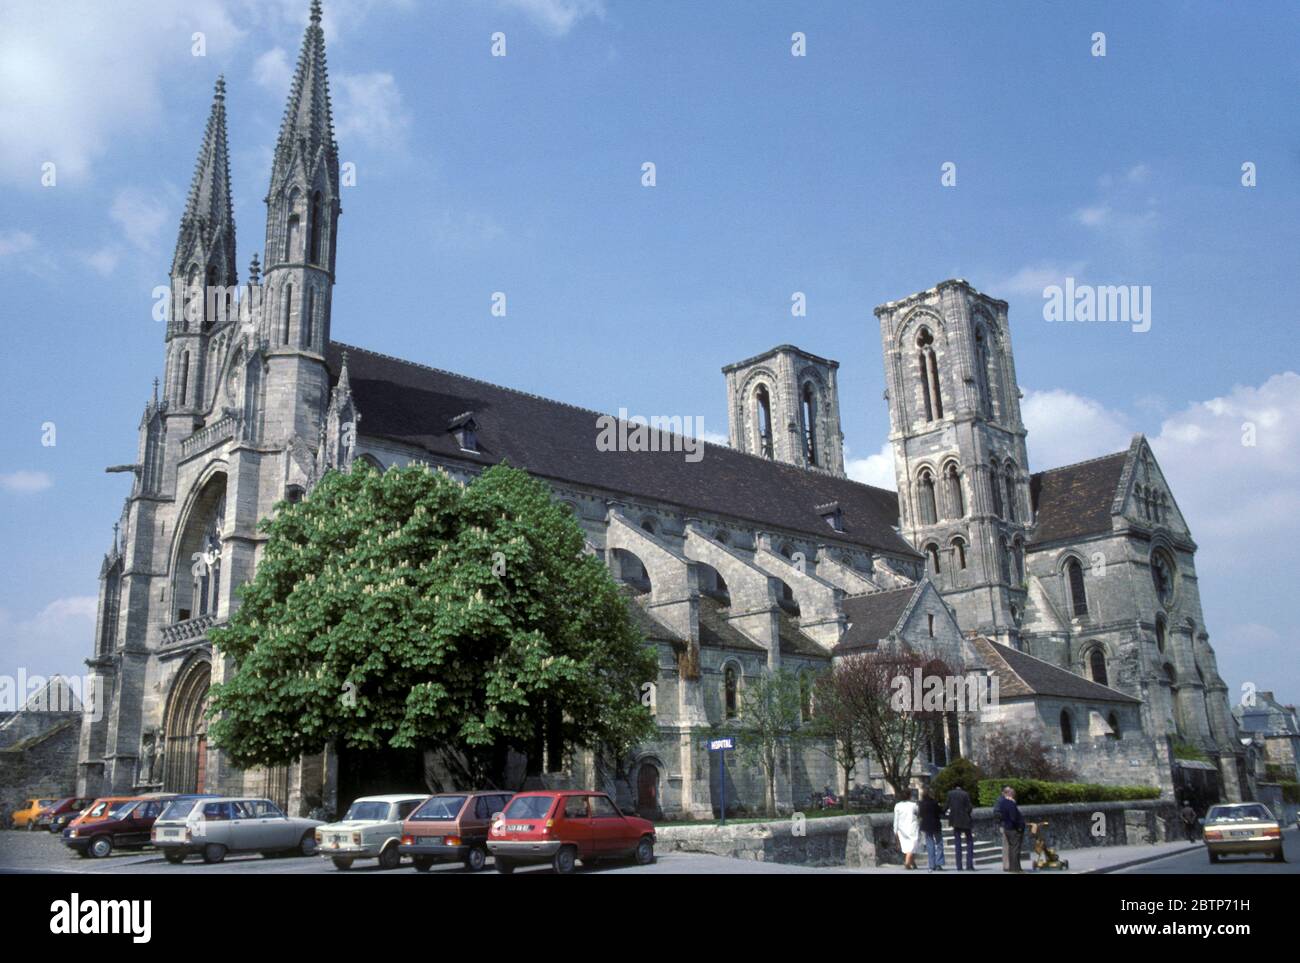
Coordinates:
1021 674
1076 500
413 405
872 617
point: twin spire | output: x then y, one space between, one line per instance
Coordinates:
308 122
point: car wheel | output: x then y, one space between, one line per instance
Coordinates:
1214 857
214 853
645 851
1279 856
307 845
476 859
505 866
565 860
174 855
390 857
341 862
101 846
422 864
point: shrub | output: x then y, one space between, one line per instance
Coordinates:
1189 752
1290 791
959 772
1036 791
1022 754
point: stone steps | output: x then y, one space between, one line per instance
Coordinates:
986 853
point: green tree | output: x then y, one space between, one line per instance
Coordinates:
771 718
834 728
408 610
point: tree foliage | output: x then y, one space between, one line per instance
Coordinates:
408 610
771 718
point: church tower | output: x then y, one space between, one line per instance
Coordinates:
784 404
302 211
959 449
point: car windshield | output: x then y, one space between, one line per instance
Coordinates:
439 807
370 810
121 809
529 807
1238 814
179 809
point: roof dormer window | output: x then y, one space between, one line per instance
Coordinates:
832 514
465 430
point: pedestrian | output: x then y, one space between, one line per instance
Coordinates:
1189 820
1013 829
930 814
907 827
959 818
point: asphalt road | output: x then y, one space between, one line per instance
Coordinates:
1197 863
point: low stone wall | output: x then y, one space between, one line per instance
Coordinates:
868 840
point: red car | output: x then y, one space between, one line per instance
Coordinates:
561 827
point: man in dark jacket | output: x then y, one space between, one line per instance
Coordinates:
1013 829
959 818
930 814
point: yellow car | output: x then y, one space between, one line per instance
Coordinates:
24 817
1237 828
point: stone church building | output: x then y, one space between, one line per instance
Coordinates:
1075 588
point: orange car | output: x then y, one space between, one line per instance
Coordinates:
24 817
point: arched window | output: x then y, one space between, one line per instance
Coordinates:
1004 558
1160 633
1067 727
982 373
1097 666
730 691
313 229
952 489
185 378
648 525
291 239
929 366
809 408
1011 491
932 556
995 486
929 513
284 314
1018 560
959 553
805 697
308 319
764 417
1112 720
208 320
1078 594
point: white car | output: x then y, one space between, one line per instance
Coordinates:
372 829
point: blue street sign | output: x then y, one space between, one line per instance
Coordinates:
723 744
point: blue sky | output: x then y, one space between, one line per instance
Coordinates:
775 174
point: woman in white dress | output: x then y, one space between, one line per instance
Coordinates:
907 827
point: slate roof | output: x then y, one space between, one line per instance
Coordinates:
1075 501
413 405
1020 674
872 617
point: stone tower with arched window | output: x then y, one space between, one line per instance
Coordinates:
784 404
959 449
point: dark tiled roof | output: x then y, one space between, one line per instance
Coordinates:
650 627
1076 500
717 633
872 617
1020 674
413 404
794 641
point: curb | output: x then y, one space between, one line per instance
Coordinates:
1187 848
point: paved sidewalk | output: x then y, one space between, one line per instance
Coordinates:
1095 859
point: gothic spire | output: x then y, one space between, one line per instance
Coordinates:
209 214
308 119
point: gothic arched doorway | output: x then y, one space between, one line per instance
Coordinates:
647 791
185 730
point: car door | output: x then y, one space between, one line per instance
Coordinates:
245 830
274 830
575 825
214 827
609 828
136 826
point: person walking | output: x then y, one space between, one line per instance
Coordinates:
906 827
1188 815
959 815
930 815
1013 829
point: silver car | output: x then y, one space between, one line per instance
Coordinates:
215 826
371 829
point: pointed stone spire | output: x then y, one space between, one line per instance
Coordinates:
209 212
308 122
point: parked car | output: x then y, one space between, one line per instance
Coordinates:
1237 828
452 827
57 815
115 822
371 829
24 817
562 827
217 826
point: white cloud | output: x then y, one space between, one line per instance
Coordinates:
1065 428
104 261
875 469
15 242
272 71
368 110
140 215
1032 279
558 16
25 482
464 229
55 640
